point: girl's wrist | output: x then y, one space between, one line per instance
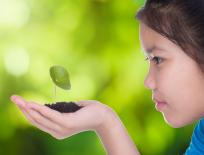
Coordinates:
115 137
110 120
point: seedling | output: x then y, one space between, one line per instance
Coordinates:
60 78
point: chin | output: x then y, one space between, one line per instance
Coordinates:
175 125
175 122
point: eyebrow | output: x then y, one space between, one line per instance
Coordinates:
151 49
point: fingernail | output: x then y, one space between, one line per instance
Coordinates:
13 98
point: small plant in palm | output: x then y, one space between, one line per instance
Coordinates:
60 78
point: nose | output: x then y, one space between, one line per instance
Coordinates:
149 81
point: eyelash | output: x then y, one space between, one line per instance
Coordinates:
155 59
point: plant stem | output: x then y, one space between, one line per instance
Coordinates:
55 94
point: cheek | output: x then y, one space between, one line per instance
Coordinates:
179 83
186 87
182 89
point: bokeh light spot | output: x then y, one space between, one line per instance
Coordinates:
16 61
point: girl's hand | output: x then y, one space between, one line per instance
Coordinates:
91 116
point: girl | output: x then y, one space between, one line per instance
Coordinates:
172 36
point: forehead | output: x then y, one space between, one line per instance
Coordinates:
149 38
152 41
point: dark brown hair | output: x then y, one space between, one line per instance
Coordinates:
180 21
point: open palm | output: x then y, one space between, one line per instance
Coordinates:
91 116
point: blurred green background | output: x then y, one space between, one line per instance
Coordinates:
98 42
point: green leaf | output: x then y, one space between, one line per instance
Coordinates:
60 77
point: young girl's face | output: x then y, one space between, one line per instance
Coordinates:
174 78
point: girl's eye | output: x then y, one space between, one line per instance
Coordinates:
155 59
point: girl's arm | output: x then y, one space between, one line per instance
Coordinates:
93 116
115 137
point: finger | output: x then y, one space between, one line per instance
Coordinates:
37 124
40 119
35 118
48 113
86 102
18 100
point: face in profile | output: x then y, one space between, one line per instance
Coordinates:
176 81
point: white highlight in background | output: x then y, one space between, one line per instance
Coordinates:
14 13
16 61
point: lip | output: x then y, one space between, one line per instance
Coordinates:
159 105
